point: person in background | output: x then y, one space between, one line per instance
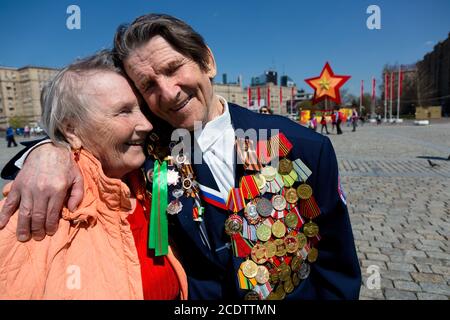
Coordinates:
10 137
323 123
354 119
100 248
265 110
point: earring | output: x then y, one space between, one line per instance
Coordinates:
76 154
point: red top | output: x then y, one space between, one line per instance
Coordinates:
159 280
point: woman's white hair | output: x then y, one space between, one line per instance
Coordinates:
62 99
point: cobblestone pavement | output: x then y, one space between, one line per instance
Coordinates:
399 207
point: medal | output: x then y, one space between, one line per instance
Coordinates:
278 229
263 232
302 240
285 166
295 264
288 286
304 271
304 191
285 271
262 275
259 253
278 202
271 249
251 214
312 255
302 170
233 224
291 220
264 207
291 243
269 173
291 196
281 247
172 177
187 183
311 229
295 279
249 268
174 207
260 181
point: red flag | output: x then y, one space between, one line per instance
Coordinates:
268 97
373 89
386 86
400 82
259 96
249 94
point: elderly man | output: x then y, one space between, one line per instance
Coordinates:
259 218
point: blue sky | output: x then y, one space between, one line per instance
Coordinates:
247 36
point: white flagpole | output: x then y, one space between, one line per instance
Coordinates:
398 92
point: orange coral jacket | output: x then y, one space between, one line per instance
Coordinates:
91 256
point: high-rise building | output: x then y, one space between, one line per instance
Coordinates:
20 91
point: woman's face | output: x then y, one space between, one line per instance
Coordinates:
118 128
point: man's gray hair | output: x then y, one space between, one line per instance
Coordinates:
177 33
62 99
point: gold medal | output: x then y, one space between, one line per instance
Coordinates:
312 255
249 268
262 275
281 247
304 191
302 240
291 196
260 181
285 166
278 229
295 279
291 220
296 264
291 243
311 229
274 276
280 292
288 286
285 271
263 232
271 249
259 253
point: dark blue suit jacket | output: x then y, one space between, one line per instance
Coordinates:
212 269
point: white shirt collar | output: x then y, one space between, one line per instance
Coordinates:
215 128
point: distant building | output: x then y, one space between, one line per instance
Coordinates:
20 91
268 76
434 77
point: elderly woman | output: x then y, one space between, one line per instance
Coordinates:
99 250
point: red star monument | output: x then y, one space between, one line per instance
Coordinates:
327 85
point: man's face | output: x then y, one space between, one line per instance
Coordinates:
174 86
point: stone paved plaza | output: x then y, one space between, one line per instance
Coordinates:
399 205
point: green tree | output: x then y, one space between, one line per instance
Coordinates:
16 122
